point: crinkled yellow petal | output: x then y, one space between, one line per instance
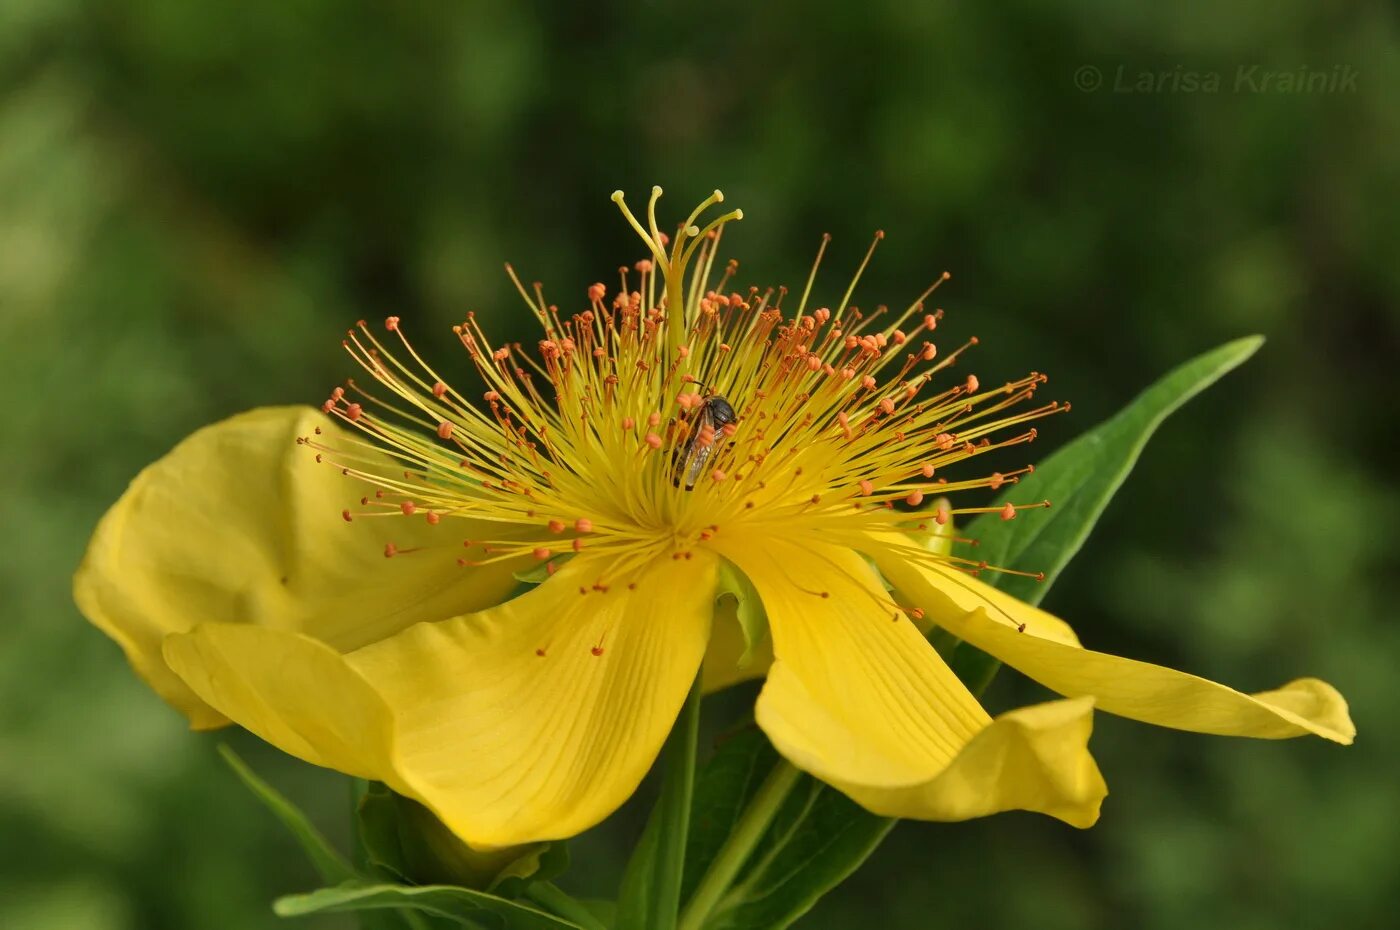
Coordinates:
505 745
1142 691
1033 758
858 698
238 524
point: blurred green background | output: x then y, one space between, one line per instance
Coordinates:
195 199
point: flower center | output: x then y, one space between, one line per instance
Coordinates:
675 408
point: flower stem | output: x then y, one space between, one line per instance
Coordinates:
651 884
741 842
678 787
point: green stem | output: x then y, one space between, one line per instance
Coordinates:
740 844
552 899
651 884
678 786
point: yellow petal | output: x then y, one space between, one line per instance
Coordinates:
1153 694
946 592
239 524
858 698
506 746
1033 758
293 691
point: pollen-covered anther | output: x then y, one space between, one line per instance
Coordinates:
653 440
390 550
867 487
886 406
915 498
391 323
444 430
972 384
942 515
433 518
353 411
345 515
1008 512
408 507
542 553
556 526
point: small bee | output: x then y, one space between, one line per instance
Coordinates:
690 460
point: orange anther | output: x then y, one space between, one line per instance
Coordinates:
444 430
654 440
866 488
915 498
1008 512
542 553
583 525
408 507
353 411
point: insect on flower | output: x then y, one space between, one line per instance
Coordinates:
713 418
339 582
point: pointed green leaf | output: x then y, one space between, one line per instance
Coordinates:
329 863
1081 478
476 909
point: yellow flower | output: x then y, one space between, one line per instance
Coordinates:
673 430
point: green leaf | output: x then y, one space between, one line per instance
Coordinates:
405 841
651 884
476 909
329 863
753 619
539 574
819 837
1082 477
